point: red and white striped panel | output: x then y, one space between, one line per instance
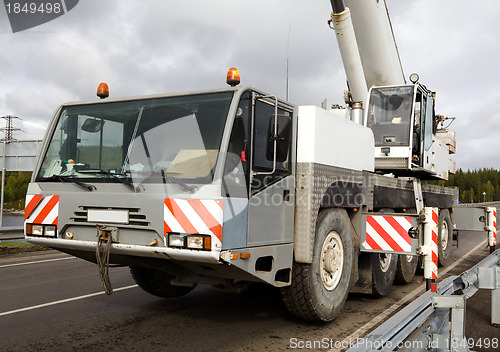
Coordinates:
41 209
194 216
434 243
388 233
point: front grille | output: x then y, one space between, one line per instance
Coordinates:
135 216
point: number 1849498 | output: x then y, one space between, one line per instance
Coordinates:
483 342
33 8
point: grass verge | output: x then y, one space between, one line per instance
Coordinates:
13 247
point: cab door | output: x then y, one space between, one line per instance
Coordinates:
427 129
272 179
423 129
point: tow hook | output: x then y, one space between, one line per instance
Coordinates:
103 248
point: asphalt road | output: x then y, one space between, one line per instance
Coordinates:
54 302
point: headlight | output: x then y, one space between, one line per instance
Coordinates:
195 242
41 230
175 240
50 231
199 242
37 230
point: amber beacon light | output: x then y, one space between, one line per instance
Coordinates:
233 77
103 91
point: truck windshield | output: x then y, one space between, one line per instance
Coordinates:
150 140
389 114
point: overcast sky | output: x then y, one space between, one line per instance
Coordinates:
148 47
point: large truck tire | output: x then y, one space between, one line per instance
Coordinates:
407 264
406 269
157 282
318 290
445 237
383 272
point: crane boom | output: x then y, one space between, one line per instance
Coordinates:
376 42
401 116
346 38
367 45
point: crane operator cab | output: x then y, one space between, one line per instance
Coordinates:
404 125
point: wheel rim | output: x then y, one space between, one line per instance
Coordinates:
444 235
332 261
385 261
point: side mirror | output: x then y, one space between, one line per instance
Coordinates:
92 125
437 119
279 132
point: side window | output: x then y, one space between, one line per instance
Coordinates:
429 122
236 168
423 118
417 128
263 145
418 110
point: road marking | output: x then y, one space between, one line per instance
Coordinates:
351 339
36 262
63 301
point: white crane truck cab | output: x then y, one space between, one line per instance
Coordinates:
405 126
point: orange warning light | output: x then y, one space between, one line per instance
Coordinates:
103 90
245 255
233 77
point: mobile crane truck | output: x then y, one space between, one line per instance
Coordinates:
232 186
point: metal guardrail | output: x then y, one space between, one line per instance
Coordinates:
424 324
483 204
11 233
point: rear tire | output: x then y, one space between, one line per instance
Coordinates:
157 282
383 268
405 271
445 237
319 289
383 272
407 264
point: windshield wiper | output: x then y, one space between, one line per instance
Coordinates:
69 179
173 180
114 177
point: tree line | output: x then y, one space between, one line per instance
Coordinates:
475 186
16 186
